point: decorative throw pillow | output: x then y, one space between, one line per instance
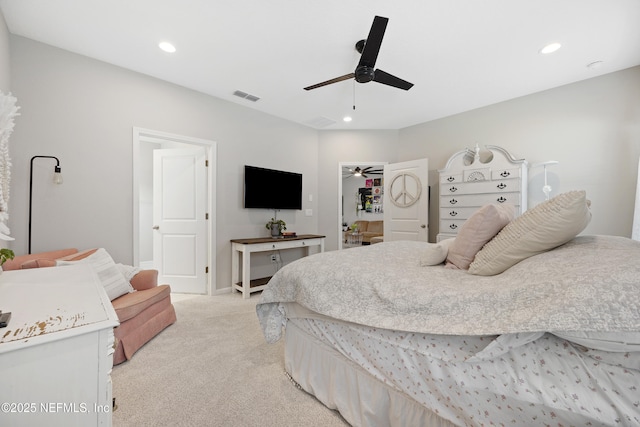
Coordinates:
108 272
485 223
436 253
544 227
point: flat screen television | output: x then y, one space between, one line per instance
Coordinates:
272 189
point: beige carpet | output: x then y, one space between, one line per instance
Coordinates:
213 368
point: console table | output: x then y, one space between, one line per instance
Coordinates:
241 250
56 353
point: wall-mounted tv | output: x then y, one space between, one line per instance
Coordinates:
272 189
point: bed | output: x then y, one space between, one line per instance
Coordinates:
551 340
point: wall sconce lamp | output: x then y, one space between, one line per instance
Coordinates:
57 179
546 189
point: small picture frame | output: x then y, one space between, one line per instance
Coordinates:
368 183
377 182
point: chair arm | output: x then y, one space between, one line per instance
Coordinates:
145 279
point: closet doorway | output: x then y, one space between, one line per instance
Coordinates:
152 233
355 181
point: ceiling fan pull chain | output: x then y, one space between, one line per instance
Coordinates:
354 95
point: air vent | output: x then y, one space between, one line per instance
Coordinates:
320 122
246 96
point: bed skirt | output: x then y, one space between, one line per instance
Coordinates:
341 385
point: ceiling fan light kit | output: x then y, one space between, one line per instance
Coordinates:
370 170
365 71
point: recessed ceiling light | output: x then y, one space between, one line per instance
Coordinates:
167 47
347 118
550 48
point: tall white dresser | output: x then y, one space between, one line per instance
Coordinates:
473 178
56 354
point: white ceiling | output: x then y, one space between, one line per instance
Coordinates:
460 54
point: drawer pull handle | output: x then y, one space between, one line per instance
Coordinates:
451 179
501 199
273 246
453 213
505 173
453 226
502 186
453 189
453 201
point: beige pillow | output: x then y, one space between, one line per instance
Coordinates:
436 253
485 223
546 226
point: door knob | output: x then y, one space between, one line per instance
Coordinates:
423 226
156 227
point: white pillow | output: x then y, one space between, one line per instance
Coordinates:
546 226
436 253
108 272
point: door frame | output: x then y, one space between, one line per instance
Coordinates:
341 165
144 136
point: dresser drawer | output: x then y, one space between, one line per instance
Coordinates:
501 186
478 200
450 226
505 173
448 179
457 212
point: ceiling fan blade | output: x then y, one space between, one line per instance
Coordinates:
328 82
391 80
373 42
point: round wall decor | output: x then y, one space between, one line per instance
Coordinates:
404 196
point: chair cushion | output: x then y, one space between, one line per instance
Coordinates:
131 304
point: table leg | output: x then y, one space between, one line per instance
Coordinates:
246 274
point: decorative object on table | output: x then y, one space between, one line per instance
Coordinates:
8 110
5 254
277 226
57 179
289 234
546 189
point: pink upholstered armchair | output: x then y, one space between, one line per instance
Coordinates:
143 314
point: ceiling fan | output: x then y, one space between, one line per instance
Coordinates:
365 71
362 172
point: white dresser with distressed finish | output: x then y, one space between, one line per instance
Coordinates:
56 354
472 179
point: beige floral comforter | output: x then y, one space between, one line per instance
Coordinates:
589 284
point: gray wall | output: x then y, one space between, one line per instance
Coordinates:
5 59
83 111
592 128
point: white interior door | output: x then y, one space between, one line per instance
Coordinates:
406 200
180 219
